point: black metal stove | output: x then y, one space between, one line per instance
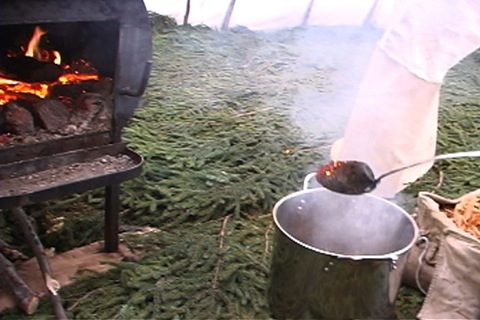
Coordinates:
113 36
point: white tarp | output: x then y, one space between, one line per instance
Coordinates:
274 14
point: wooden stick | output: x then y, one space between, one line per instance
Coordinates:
37 247
10 252
228 15
253 112
23 295
82 298
187 13
306 16
367 22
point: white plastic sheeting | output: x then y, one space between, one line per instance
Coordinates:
275 14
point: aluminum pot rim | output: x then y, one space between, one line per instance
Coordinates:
390 256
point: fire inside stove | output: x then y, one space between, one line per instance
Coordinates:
56 80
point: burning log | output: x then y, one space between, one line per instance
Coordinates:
23 295
34 242
51 114
72 91
49 72
28 69
18 120
103 86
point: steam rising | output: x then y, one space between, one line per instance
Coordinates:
346 225
342 53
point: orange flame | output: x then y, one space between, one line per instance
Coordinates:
33 44
9 88
34 50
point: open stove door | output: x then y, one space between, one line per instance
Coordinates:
134 51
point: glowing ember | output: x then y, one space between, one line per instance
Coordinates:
76 78
5 97
13 87
348 177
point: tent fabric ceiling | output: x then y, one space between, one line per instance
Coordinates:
273 14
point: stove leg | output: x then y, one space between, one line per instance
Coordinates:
112 208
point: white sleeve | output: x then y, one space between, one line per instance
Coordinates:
431 36
394 117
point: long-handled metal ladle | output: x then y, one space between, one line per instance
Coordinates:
356 177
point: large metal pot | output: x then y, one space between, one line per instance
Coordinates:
337 256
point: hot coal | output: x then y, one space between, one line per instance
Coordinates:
347 177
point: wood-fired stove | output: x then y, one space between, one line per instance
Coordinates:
65 137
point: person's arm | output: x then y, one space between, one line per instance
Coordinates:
394 118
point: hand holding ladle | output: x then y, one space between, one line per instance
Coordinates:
356 177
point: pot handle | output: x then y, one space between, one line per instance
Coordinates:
307 179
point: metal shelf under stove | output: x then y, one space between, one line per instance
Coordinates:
20 172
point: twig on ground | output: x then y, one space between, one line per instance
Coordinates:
220 245
266 250
440 180
251 113
82 298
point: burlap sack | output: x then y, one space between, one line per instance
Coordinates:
445 262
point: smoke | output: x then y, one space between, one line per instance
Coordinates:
342 53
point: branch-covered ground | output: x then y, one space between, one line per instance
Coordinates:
231 123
